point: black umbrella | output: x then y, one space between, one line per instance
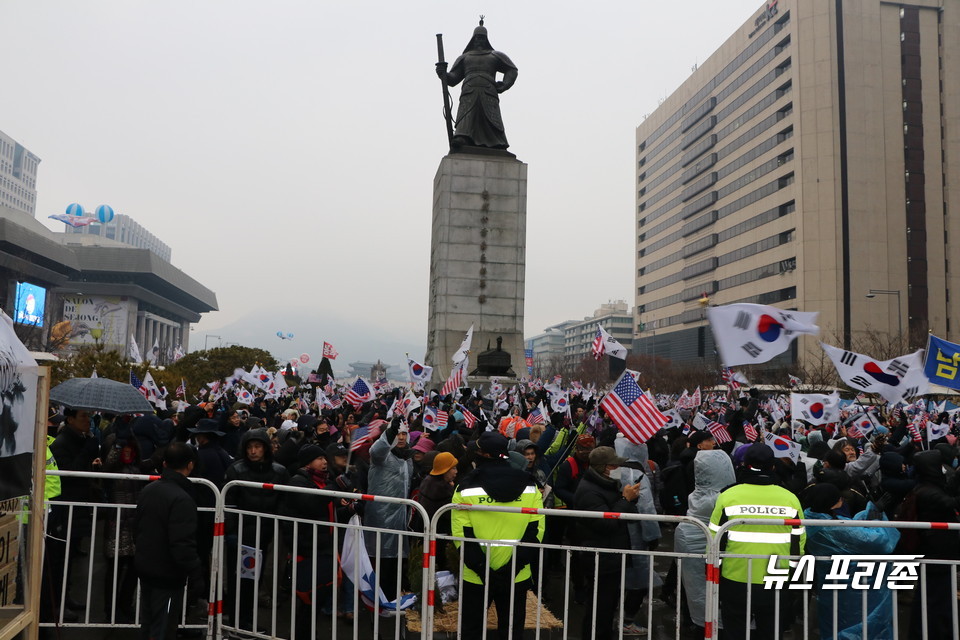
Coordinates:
100 394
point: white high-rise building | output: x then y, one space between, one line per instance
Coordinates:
18 176
125 230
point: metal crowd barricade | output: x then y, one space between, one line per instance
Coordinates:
107 511
340 531
568 550
716 556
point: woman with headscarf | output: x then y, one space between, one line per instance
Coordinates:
822 502
712 472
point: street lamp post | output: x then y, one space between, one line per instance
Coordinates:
207 337
873 293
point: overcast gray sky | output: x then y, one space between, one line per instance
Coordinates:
286 150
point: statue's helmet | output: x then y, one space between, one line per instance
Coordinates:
479 41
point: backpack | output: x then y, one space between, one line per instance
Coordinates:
673 491
907 512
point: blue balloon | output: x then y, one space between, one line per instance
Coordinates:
289 335
105 213
74 209
279 334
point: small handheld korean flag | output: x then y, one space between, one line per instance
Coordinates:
782 447
251 559
755 333
815 408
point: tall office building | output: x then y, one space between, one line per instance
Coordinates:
18 176
805 163
125 230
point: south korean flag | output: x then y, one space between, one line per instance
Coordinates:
895 380
755 333
815 408
675 420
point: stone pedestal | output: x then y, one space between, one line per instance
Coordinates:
477 259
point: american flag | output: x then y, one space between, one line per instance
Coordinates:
454 381
536 416
442 417
632 411
730 378
182 389
914 431
750 431
468 418
598 344
359 393
366 435
137 384
720 433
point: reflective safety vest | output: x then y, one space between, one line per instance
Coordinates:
757 501
51 484
562 438
496 526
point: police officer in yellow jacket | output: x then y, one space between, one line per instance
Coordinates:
756 496
492 571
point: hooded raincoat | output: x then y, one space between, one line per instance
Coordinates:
712 472
826 541
641 532
390 475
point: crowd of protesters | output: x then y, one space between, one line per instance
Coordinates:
498 446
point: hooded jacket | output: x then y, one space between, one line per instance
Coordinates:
248 499
894 483
712 473
390 475
934 504
827 541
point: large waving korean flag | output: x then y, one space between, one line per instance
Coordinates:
755 333
894 379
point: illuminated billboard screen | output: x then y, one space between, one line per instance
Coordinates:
29 304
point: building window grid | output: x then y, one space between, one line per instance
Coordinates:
727 109
733 126
755 46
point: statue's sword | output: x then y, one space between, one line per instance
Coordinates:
442 67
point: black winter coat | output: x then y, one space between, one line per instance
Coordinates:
600 493
258 500
934 504
309 506
75 452
165 530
